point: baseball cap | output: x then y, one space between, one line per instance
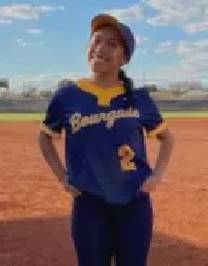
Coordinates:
125 32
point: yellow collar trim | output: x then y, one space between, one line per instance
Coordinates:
104 95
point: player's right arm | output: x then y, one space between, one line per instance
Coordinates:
50 130
50 154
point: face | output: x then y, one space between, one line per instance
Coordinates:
106 51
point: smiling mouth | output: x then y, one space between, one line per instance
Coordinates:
100 58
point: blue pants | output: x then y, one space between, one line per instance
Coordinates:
100 230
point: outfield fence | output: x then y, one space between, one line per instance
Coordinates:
40 105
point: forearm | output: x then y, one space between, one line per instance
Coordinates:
164 154
51 156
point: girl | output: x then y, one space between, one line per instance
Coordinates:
107 170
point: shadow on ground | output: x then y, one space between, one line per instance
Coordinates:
47 242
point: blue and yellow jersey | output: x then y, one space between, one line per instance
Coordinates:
105 137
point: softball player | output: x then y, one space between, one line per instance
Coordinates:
107 169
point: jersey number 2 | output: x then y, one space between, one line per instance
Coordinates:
126 155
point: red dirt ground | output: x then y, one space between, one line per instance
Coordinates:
35 210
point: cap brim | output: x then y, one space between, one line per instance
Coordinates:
104 20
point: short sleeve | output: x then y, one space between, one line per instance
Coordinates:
53 122
151 117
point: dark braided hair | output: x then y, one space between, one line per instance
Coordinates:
128 85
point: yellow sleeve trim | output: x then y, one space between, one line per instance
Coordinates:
50 132
153 133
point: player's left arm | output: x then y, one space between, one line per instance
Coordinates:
166 140
157 128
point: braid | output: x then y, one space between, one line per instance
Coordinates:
128 85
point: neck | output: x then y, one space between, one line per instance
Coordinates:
105 79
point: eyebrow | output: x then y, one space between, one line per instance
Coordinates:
110 39
115 39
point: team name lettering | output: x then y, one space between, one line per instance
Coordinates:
78 121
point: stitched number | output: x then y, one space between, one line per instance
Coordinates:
126 155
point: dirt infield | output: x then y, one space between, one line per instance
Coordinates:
35 210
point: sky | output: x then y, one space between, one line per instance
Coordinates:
43 41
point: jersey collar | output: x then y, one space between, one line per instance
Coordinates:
103 95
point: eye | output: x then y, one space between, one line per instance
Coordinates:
96 40
113 44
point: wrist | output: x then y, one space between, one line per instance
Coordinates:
157 176
62 175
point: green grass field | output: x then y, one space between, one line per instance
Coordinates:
15 117
182 114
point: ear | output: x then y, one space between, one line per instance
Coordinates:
87 46
87 49
124 62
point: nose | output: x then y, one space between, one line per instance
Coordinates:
101 48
